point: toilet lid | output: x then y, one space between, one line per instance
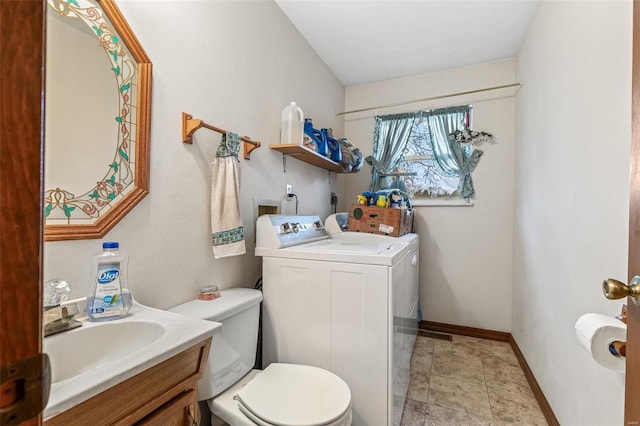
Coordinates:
300 395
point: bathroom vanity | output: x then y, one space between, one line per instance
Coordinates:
161 395
141 369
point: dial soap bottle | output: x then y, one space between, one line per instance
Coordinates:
111 299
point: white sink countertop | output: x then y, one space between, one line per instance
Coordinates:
84 363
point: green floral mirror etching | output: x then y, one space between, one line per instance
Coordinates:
61 204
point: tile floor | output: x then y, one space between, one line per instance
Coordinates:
468 381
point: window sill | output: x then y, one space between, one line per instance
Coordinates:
441 202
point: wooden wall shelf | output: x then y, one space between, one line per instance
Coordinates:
308 156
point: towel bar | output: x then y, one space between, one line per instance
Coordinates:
190 125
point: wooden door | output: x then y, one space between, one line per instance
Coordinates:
632 385
21 126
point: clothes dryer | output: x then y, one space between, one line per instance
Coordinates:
345 303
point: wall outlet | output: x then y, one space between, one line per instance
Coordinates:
334 199
289 189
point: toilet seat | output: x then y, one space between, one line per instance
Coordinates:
300 395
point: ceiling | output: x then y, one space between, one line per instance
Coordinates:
363 41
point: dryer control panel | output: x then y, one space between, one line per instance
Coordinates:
280 231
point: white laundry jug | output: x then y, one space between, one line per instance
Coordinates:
292 125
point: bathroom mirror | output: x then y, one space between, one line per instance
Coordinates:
97 119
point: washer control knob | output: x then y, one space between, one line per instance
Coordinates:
286 228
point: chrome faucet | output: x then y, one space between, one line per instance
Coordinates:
57 318
60 318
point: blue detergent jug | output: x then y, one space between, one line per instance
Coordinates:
313 137
335 153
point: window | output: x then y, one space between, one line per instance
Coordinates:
425 178
415 153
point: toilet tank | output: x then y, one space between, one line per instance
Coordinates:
233 350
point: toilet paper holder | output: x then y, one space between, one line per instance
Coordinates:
614 289
618 348
603 337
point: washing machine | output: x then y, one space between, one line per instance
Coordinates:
342 301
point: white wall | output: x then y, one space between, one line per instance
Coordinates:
465 252
235 65
571 204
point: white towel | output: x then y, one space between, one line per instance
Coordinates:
227 232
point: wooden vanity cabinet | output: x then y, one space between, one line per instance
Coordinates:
161 395
181 410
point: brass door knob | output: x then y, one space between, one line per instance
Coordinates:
614 289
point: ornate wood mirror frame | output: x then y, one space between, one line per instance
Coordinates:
93 213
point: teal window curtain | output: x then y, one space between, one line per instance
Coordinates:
452 158
391 136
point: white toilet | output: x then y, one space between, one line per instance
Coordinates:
281 394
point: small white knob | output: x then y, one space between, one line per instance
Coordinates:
55 292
